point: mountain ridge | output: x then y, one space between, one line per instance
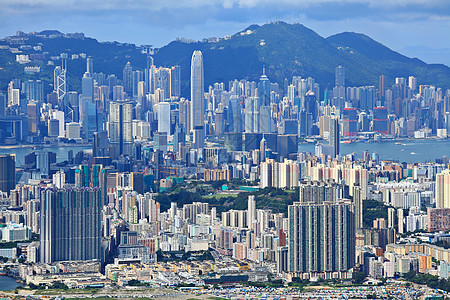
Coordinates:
284 49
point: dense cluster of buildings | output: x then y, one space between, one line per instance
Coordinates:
97 210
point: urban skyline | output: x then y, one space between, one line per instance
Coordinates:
123 176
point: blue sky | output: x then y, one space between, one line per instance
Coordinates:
398 24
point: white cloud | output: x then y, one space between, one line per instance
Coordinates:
156 5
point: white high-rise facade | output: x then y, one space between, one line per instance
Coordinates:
443 189
164 117
251 214
197 90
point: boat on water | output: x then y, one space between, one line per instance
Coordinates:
398 143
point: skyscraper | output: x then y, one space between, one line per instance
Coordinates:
197 90
251 214
264 89
120 128
128 78
334 137
340 76
175 81
60 79
7 173
321 238
88 113
382 86
32 113
321 231
164 117
252 109
70 224
443 189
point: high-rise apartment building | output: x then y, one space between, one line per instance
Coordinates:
251 211
321 238
70 224
334 137
443 189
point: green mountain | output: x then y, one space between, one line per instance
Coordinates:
293 49
285 50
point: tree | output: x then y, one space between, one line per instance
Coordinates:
359 277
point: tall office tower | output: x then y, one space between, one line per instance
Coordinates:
88 110
90 66
443 189
34 90
185 114
70 224
74 104
382 86
120 128
3 104
138 76
60 81
252 110
266 124
340 76
264 89
179 137
175 81
380 120
162 81
366 97
334 137
197 90
100 144
262 149
148 75
349 121
234 116
251 211
7 173
164 117
311 106
32 113
339 88
128 79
